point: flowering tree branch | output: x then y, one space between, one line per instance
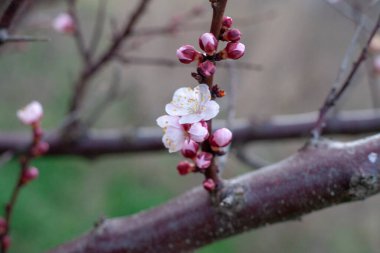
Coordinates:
146 139
31 115
321 175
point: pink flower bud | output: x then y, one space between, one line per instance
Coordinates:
185 167
6 242
232 35
221 137
209 185
40 149
208 43
64 23
3 226
31 113
234 50
203 160
29 175
227 22
206 68
187 54
199 132
189 149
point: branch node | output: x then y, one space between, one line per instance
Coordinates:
364 183
231 199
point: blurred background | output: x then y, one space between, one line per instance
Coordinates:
298 45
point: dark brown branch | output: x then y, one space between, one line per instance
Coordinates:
10 13
104 59
105 142
315 178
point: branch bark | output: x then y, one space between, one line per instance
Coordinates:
97 143
317 177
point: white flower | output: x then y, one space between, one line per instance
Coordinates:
176 134
193 105
31 113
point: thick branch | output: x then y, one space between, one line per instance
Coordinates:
149 139
316 177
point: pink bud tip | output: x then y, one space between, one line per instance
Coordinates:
227 22
185 167
3 226
235 50
6 242
233 35
208 43
221 137
31 113
187 54
64 23
189 149
203 160
206 68
209 185
30 174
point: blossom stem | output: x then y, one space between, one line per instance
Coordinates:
218 7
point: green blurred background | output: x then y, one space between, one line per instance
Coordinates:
298 43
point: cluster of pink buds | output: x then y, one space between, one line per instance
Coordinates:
209 44
186 126
201 160
31 115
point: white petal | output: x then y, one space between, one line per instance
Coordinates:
198 133
167 120
191 118
173 139
30 113
174 110
185 98
203 93
211 110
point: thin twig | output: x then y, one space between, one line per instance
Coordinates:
336 93
355 41
98 27
350 13
251 160
104 59
78 34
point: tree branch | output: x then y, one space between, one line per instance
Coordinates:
317 177
144 139
104 59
